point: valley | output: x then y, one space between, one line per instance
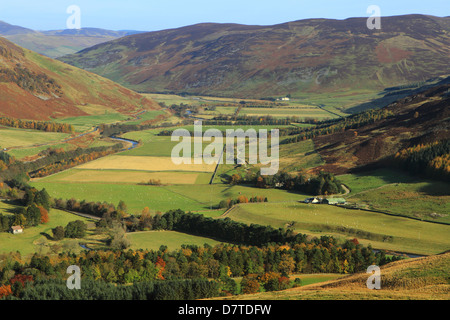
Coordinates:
363 170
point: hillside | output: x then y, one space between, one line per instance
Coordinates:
39 88
421 118
298 58
56 43
9 29
418 279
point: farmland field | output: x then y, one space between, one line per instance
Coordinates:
152 240
25 152
198 197
85 123
10 137
153 145
147 115
374 179
382 231
127 177
283 112
144 163
399 193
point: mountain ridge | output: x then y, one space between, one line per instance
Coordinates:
36 87
55 43
421 118
298 57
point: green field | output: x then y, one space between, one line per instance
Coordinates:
197 197
399 193
153 240
374 179
300 155
33 239
11 137
283 112
382 231
26 152
86 123
146 116
153 145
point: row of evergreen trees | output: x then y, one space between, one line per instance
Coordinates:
101 290
431 160
324 183
333 126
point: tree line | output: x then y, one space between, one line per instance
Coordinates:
31 81
190 271
65 164
54 162
431 160
47 126
246 120
121 128
333 126
324 183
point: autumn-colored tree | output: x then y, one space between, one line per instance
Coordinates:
3 166
260 183
242 199
283 283
235 178
21 278
250 285
160 265
5 291
44 215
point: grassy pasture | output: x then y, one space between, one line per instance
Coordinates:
423 200
26 152
155 146
170 99
85 123
374 179
148 115
11 137
407 235
152 240
137 197
300 155
283 112
400 193
197 197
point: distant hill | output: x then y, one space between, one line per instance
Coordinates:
422 117
56 43
39 88
9 29
298 58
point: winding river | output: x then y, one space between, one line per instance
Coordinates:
134 144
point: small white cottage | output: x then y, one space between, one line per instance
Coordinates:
16 229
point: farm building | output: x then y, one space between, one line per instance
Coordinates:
312 200
334 201
16 229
